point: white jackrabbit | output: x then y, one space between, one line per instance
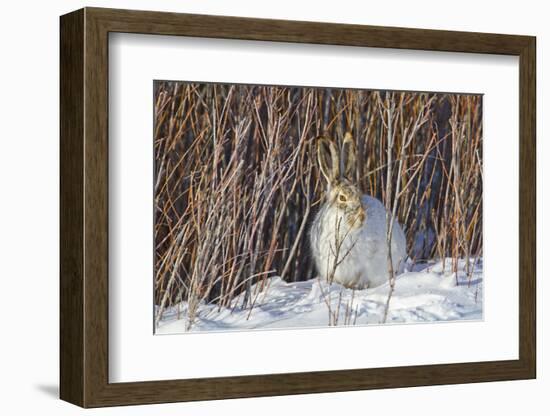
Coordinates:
348 236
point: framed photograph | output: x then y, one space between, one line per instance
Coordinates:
255 207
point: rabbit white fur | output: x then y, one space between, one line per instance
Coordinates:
348 235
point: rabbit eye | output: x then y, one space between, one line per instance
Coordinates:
342 198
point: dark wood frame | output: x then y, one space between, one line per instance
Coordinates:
84 208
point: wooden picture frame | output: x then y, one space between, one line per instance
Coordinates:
84 207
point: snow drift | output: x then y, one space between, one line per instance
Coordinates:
426 293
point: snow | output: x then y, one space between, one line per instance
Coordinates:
423 293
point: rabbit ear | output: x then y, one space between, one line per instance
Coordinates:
349 156
327 156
